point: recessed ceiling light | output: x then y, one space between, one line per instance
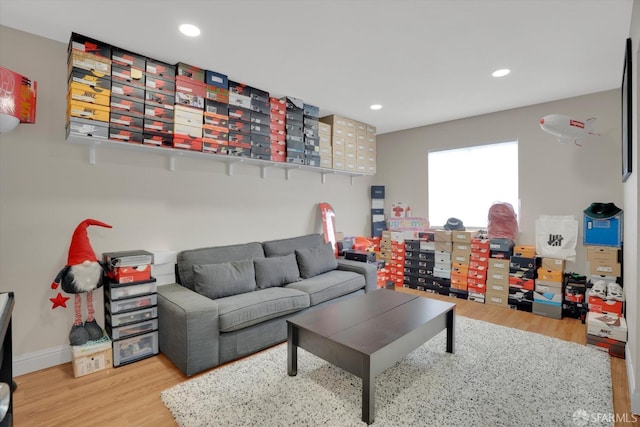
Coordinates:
189 30
375 106
501 72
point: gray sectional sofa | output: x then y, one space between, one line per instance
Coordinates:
231 301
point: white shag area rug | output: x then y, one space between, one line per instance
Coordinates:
498 376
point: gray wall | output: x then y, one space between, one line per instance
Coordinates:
47 187
555 178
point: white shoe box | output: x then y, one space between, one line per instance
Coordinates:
607 325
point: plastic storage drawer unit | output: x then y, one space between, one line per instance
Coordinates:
132 317
135 348
119 306
131 330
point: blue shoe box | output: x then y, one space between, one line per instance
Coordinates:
603 231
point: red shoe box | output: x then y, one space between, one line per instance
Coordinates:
599 305
131 274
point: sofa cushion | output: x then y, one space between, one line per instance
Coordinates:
243 310
288 246
314 261
330 285
214 255
276 271
225 279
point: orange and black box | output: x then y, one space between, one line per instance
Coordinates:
88 45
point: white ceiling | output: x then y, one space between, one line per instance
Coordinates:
424 61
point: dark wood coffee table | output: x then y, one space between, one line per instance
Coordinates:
367 334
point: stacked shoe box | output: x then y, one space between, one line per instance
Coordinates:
294 126
378 224
500 252
128 77
478 266
606 324
159 104
341 127
523 266
392 251
441 281
365 148
189 108
460 259
163 268
239 119
311 132
278 117
131 315
574 304
260 124
89 87
215 127
326 152
549 292
419 262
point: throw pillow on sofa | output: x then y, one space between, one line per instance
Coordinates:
314 261
276 271
225 279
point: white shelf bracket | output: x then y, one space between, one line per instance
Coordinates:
92 154
263 172
352 176
229 169
172 163
324 177
287 174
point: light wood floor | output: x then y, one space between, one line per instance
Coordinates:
130 395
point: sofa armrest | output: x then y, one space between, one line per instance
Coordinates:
369 271
188 328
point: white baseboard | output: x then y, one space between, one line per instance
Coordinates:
31 362
634 395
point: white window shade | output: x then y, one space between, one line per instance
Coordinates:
465 182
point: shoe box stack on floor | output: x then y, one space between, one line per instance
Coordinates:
602 234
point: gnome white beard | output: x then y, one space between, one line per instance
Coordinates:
86 276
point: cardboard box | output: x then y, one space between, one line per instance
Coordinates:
89 61
548 298
497 288
552 264
526 251
91 357
128 75
211 78
607 325
462 237
549 275
498 277
497 299
444 236
90 78
603 254
613 269
499 264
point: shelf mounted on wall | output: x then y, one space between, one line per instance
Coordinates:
173 153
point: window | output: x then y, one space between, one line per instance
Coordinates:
465 182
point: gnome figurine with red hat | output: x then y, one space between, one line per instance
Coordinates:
82 274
